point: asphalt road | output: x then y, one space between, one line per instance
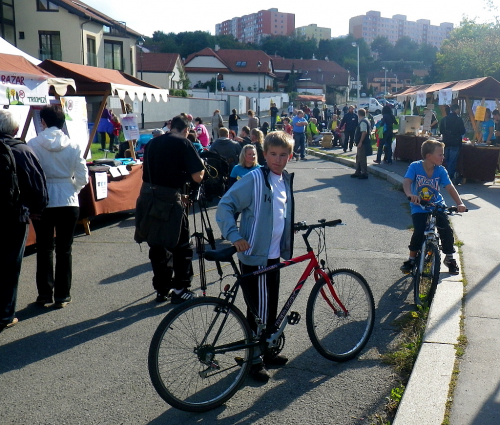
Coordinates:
87 363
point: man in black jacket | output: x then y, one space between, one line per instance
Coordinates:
170 161
452 129
15 215
349 124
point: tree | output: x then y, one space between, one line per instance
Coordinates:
472 51
382 46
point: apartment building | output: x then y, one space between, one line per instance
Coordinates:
372 25
313 31
251 28
70 31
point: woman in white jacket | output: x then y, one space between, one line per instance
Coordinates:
66 173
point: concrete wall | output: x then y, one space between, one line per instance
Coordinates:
160 111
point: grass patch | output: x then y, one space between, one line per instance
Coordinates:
460 346
411 327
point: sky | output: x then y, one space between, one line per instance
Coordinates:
148 16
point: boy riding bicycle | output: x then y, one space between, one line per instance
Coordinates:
265 199
422 182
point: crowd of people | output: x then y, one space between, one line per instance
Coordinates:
50 172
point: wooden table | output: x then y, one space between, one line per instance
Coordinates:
122 196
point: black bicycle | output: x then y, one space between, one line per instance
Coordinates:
202 350
425 273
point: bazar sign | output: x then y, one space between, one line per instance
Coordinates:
20 90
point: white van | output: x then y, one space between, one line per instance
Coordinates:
372 105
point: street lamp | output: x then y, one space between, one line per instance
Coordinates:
259 64
385 80
354 44
216 80
140 43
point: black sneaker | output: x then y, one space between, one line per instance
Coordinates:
275 360
61 303
258 372
161 298
452 266
407 266
42 300
185 295
355 176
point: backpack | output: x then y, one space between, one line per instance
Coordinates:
216 179
9 184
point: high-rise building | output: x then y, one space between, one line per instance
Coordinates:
251 28
313 31
372 25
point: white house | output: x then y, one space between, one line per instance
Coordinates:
237 70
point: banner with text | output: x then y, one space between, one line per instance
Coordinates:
19 90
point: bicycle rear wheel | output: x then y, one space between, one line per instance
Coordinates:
340 335
426 274
187 365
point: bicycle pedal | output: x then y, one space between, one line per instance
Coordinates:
293 318
239 361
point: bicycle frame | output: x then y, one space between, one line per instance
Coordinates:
279 325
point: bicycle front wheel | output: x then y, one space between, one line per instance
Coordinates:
426 275
197 358
339 332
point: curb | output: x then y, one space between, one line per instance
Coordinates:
390 176
425 396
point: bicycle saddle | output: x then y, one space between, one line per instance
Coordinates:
224 255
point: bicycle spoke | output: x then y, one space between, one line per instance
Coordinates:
189 374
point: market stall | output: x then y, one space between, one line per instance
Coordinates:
474 162
122 193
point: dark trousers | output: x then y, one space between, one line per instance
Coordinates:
63 221
451 154
348 139
444 229
174 268
385 145
263 291
273 123
112 137
361 165
299 147
11 257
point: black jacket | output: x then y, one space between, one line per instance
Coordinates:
452 128
350 120
32 185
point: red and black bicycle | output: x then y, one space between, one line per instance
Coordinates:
202 350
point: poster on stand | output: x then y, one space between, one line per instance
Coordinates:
75 114
130 126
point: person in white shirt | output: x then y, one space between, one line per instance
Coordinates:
66 173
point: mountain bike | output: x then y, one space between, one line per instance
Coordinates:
202 350
425 273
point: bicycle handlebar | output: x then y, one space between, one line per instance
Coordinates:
302 225
450 210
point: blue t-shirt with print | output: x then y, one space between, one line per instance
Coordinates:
239 171
425 187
